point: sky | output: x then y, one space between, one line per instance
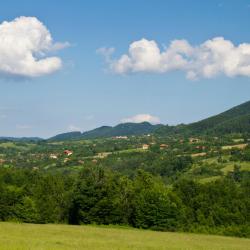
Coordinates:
76 65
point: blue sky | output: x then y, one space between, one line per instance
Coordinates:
85 91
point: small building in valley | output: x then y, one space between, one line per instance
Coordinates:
162 146
68 152
194 140
53 156
121 137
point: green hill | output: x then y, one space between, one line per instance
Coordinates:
67 136
62 237
123 129
21 139
235 120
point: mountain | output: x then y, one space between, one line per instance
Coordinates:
234 120
103 131
20 139
122 129
66 136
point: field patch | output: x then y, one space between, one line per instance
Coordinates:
238 146
61 237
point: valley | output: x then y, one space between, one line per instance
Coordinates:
175 180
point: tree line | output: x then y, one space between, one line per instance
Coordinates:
101 196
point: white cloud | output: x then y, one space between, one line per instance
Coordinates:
24 44
142 118
73 128
58 46
209 59
106 52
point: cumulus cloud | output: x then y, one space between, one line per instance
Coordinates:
142 118
106 52
24 46
73 128
213 57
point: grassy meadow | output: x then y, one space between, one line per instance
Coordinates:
62 237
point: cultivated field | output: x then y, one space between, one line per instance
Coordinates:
61 237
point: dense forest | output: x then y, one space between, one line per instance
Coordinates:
192 178
101 196
235 120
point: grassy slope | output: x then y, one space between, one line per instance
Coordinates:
234 117
234 120
55 237
224 167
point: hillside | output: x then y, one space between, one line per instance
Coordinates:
31 236
235 120
121 130
20 139
67 136
108 131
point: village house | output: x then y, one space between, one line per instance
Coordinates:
162 146
194 140
66 160
121 137
53 156
145 146
201 147
68 152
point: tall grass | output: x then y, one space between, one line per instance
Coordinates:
61 237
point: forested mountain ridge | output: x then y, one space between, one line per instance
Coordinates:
20 139
234 120
66 136
123 129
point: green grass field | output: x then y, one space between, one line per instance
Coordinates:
61 237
